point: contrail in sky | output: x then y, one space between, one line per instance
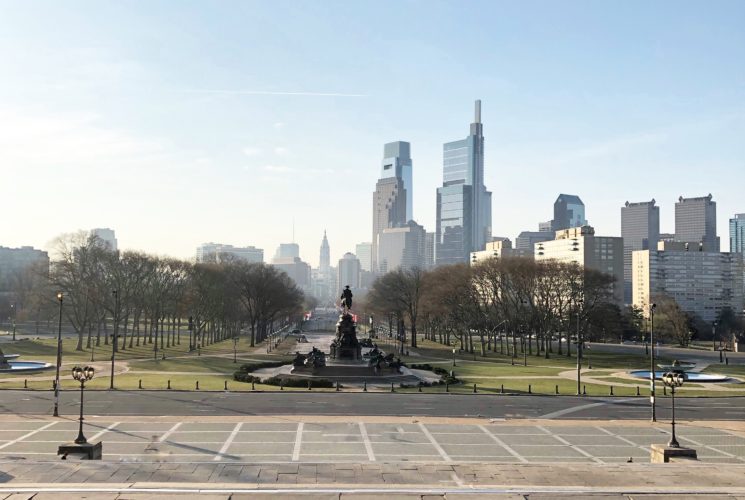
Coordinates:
270 92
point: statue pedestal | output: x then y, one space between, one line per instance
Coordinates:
87 451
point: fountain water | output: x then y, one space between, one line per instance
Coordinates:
20 366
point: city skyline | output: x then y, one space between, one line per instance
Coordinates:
203 145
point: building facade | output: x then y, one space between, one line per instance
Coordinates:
216 253
696 222
580 245
429 250
702 283
499 248
298 270
569 211
389 210
397 164
527 239
287 251
107 237
402 247
14 262
463 203
348 272
364 254
640 230
737 234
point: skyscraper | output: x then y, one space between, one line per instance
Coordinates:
364 254
696 222
640 230
397 163
287 251
106 237
389 210
463 203
324 262
348 272
217 253
402 247
737 234
569 211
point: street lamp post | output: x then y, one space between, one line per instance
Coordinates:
82 375
714 336
453 357
651 361
579 352
235 348
13 308
59 357
673 379
115 293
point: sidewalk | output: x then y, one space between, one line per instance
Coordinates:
392 480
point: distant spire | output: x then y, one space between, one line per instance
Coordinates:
477 118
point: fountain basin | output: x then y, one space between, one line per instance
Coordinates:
689 376
25 367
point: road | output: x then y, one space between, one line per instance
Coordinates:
122 403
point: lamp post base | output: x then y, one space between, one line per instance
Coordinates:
662 453
87 451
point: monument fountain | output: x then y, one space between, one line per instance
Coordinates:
7 366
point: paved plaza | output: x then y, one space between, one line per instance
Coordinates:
358 441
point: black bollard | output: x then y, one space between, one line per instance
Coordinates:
447 387
25 383
54 384
281 385
530 389
420 387
169 384
337 386
664 390
197 385
139 385
364 387
637 391
501 389
584 390
392 390
226 385
309 385
557 389
253 385
474 388
611 390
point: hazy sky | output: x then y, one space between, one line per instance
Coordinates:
177 123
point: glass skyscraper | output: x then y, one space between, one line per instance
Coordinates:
737 234
397 163
569 211
463 203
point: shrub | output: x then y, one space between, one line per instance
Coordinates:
299 382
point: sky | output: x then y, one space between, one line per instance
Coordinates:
181 122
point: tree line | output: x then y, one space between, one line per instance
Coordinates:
138 298
538 307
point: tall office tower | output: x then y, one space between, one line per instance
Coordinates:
22 265
737 234
397 163
569 211
287 251
527 239
429 250
389 210
696 222
402 247
106 236
325 260
364 254
463 203
348 272
640 230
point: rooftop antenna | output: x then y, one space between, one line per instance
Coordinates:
477 118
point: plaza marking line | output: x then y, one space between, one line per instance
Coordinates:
566 411
572 446
16 440
104 431
228 441
169 432
298 442
628 441
434 442
712 448
366 440
503 445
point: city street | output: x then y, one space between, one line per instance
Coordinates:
381 404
